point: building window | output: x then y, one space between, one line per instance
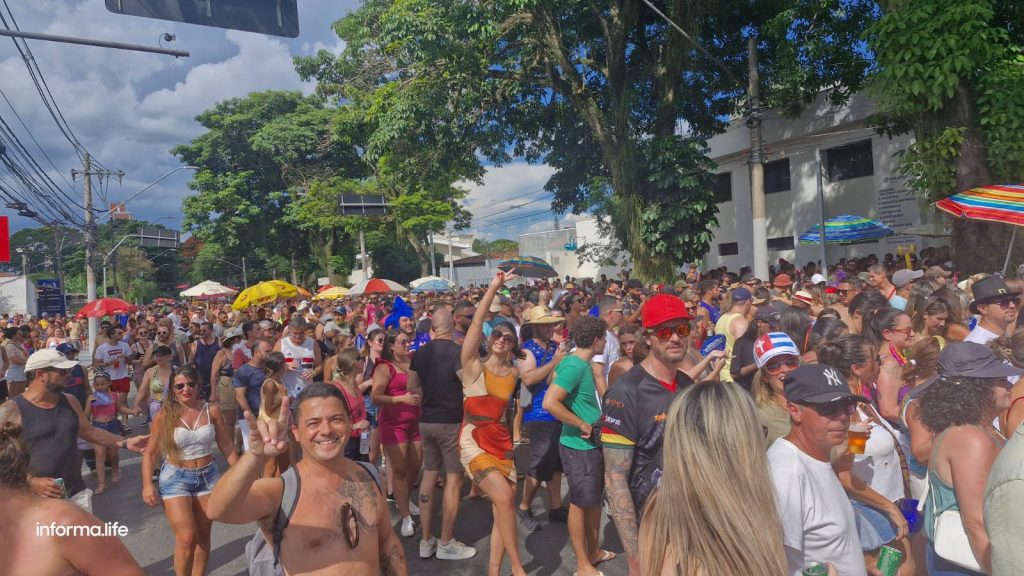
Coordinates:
723 188
728 249
780 244
776 176
850 161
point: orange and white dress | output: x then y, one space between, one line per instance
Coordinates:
485 445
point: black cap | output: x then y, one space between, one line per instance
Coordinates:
634 283
748 277
818 384
974 360
768 314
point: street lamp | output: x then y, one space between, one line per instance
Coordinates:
245 276
24 261
148 186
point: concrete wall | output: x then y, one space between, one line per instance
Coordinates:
17 295
881 195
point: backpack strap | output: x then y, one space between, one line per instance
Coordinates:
374 473
289 499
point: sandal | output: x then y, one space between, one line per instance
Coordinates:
115 476
100 489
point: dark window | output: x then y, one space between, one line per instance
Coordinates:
728 249
776 176
723 188
780 244
850 161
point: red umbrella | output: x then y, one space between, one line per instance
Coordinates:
105 307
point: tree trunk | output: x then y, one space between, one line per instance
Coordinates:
421 253
978 246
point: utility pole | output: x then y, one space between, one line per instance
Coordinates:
433 257
58 249
451 262
245 274
756 163
90 238
362 255
294 280
821 209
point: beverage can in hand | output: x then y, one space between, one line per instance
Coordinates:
816 569
63 487
889 560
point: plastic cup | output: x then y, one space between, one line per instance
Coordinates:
857 437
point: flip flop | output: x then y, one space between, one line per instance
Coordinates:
115 477
100 489
606 555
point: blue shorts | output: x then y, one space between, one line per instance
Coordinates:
873 527
371 410
176 482
114 426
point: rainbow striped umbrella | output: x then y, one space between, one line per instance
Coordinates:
528 267
995 203
847 229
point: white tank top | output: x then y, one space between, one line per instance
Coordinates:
196 441
879 465
302 358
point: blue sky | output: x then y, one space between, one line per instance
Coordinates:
129 108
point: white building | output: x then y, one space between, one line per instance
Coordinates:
17 295
560 248
859 175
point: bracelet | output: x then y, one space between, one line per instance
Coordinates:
124 443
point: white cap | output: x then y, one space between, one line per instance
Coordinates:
818 279
48 358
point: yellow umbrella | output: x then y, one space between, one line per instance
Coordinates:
264 293
334 293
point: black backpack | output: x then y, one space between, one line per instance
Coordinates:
264 557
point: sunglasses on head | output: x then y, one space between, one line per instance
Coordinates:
183 385
508 338
665 334
833 409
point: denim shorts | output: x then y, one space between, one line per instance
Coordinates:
874 528
176 482
114 426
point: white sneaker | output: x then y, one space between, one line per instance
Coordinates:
453 550
414 509
408 526
428 548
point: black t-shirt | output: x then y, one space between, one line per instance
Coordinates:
743 355
437 364
635 409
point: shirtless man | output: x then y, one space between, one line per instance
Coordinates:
341 523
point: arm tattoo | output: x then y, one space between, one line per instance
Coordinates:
392 559
617 463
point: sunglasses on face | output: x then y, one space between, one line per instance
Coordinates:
182 386
61 371
665 334
1005 303
833 409
775 366
905 331
508 338
161 333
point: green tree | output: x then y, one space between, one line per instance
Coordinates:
596 90
499 245
951 72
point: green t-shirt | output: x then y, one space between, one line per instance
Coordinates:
577 378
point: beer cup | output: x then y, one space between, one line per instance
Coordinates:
857 437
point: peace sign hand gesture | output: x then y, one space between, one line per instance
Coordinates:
502 277
268 439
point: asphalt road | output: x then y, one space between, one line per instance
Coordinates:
546 552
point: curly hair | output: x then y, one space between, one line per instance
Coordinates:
958 401
587 330
14 457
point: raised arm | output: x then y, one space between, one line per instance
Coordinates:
470 358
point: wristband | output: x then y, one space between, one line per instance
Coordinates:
124 443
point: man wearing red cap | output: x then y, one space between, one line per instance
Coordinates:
634 414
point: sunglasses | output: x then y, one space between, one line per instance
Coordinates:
833 409
61 371
1005 303
905 331
180 387
161 333
665 334
508 338
775 366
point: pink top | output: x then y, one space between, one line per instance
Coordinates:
356 408
393 414
103 406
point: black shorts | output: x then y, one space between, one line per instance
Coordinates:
584 470
544 457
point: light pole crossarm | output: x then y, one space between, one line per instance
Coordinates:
148 186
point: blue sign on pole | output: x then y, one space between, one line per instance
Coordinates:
50 297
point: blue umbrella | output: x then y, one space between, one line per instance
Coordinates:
432 286
847 229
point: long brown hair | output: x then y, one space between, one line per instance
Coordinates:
14 457
172 411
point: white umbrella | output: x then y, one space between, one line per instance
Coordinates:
208 289
376 286
426 279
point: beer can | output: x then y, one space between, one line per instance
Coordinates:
889 560
816 569
63 488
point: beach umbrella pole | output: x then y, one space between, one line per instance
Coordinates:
1009 250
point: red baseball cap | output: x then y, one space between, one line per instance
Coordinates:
662 308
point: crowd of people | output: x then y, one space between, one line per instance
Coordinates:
815 419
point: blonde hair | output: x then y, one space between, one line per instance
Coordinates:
763 392
715 509
172 411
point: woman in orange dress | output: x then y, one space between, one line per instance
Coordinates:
485 445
